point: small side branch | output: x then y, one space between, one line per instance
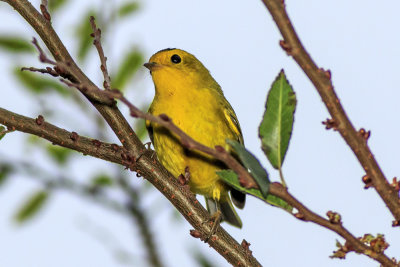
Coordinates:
61 137
103 59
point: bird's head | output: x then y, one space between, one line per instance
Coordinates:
173 65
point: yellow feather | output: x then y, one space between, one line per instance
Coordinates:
187 93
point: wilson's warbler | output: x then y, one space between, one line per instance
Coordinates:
189 95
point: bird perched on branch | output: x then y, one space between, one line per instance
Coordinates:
187 93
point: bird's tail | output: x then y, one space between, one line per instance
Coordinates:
225 206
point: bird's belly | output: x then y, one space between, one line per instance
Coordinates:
202 168
205 124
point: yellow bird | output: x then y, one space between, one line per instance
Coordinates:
189 95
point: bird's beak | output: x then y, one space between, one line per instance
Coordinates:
152 65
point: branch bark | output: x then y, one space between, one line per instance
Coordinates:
146 166
152 170
322 82
194 212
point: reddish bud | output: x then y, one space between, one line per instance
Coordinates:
164 117
45 13
195 233
334 217
181 179
115 147
330 124
395 184
285 46
39 120
364 134
367 181
74 136
96 142
245 244
299 216
219 149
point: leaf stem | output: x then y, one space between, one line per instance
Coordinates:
282 178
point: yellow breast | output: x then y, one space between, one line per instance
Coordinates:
198 114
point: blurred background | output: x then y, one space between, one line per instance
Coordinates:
60 208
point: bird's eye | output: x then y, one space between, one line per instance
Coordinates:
176 59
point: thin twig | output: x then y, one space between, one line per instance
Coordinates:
47 70
64 69
103 59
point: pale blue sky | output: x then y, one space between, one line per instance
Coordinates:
238 42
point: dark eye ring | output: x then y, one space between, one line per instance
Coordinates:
176 59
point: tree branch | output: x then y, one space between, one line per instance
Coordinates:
180 197
321 79
245 177
73 73
141 161
60 137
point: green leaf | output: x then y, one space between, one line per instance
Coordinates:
38 83
32 205
5 170
102 180
277 124
84 29
202 260
259 174
140 129
59 154
231 178
128 8
54 5
2 128
15 44
129 66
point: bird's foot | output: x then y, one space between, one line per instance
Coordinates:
147 150
215 219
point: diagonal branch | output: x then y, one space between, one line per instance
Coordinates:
98 149
276 189
322 82
154 172
73 73
178 195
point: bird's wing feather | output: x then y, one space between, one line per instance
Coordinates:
233 122
238 197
